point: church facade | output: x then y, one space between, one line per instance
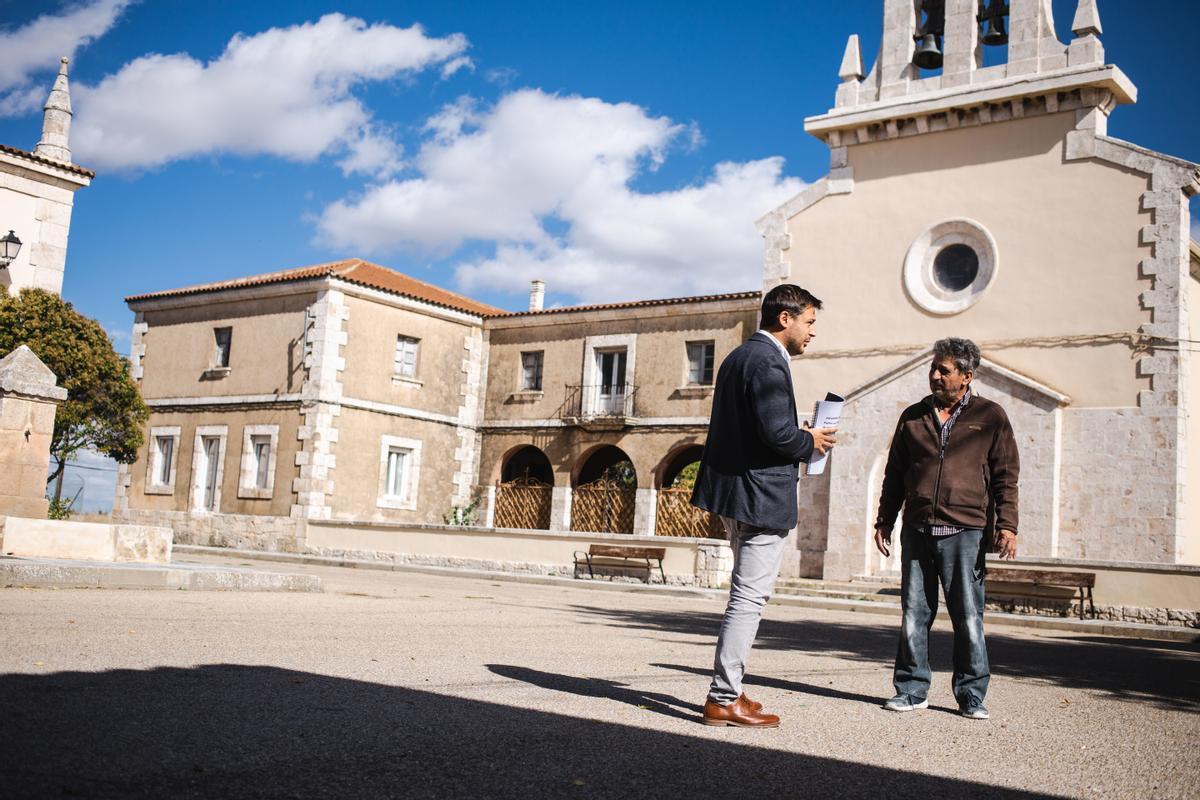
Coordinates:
989 202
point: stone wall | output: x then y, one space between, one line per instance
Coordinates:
236 531
1118 485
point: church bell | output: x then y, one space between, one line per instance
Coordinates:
992 14
929 33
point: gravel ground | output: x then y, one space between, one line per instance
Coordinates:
412 685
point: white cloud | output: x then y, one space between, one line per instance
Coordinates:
35 48
286 92
548 180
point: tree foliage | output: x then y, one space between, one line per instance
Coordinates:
104 409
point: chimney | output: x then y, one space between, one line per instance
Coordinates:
537 295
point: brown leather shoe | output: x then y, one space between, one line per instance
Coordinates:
754 704
738 714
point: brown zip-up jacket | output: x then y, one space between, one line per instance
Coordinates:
979 469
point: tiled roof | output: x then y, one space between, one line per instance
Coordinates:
667 301
352 270
15 151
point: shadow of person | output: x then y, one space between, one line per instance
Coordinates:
786 685
603 689
242 731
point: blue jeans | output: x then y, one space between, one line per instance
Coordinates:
957 563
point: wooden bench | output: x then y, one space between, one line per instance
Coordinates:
1082 582
608 555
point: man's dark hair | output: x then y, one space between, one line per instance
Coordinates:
785 297
964 352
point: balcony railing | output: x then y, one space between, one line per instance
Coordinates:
599 404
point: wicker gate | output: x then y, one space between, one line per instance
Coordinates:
603 506
523 503
678 517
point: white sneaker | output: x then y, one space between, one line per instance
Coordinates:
906 702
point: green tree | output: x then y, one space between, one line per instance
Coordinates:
103 409
686 479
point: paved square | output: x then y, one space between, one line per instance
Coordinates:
412 685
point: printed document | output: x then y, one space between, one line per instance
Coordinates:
826 414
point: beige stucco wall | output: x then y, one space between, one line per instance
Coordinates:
660 356
282 498
370 352
265 357
356 477
1190 546
1067 236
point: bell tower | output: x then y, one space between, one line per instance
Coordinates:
929 73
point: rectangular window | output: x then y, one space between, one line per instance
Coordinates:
397 460
700 363
165 447
531 371
262 461
406 356
224 338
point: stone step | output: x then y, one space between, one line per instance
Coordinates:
882 595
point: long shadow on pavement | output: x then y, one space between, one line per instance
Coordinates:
1166 674
782 683
663 704
249 731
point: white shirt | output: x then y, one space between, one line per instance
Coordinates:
783 350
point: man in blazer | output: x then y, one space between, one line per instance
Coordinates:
748 477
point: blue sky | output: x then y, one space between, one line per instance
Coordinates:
617 150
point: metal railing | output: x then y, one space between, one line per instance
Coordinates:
598 402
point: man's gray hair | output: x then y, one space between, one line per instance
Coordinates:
964 352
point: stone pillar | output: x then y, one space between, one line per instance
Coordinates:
560 508
961 45
28 397
895 65
645 512
714 564
489 507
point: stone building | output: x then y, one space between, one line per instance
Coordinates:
571 392
351 392
337 391
990 203
37 193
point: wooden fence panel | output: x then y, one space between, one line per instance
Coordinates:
603 506
676 516
522 504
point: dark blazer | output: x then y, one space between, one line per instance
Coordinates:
754 448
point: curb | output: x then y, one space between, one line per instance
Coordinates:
61 574
1126 630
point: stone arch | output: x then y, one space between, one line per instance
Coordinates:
593 462
528 462
675 461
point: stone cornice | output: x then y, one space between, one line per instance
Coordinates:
968 99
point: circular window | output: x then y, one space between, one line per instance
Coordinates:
955 267
949 267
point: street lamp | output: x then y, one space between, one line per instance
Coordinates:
9 247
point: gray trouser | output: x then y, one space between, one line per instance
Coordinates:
757 554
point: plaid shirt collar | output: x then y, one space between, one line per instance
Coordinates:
949 423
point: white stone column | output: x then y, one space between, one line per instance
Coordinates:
895 65
489 507
560 508
961 43
645 512
320 403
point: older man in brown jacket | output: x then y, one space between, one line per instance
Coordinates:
953 464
